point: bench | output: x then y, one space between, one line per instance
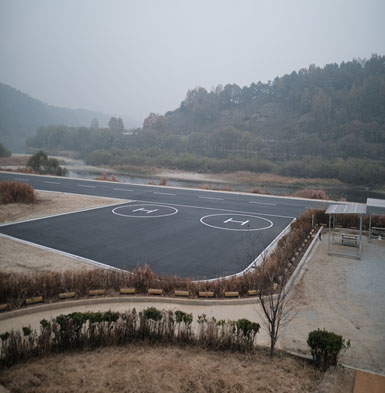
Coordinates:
376 231
96 292
232 294
154 291
127 291
206 294
67 295
349 239
182 293
33 300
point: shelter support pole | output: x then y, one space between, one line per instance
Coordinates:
360 244
330 218
370 227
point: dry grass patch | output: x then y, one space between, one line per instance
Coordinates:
155 369
48 203
14 160
271 178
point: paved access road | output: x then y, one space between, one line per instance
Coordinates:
195 233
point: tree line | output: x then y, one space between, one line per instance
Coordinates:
317 122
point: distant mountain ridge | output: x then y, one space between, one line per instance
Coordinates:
21 115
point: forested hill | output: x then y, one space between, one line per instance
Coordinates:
318 122
335 111
21 115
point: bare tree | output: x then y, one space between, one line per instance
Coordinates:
272 277
269 279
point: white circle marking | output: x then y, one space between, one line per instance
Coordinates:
114 211
233 229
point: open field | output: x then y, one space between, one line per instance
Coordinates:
156 369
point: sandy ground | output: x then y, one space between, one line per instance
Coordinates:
20 257
49 203
345 296
155 369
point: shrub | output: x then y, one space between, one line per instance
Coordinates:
4 152
97 329
163 181
325 348
152 313
27 330
40 163
16 192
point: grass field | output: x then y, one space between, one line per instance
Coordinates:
155 369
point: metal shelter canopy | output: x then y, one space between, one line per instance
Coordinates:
346 238
355 208
375 206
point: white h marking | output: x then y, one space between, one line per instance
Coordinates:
239 222
143 209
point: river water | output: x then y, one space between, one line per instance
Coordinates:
351 194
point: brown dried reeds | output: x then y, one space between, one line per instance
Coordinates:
311 194
225 187
104 177
26 170
16 192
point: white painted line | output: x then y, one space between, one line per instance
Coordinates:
123 189
67 254
264 203
218 199
51 182
217 209
163 193
83 185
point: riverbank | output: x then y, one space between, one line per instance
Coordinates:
264 183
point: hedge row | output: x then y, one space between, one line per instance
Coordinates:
91 330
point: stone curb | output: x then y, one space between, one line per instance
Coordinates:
296 274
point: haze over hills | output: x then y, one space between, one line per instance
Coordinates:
318 122
21 115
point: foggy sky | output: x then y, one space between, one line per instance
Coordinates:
132 57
